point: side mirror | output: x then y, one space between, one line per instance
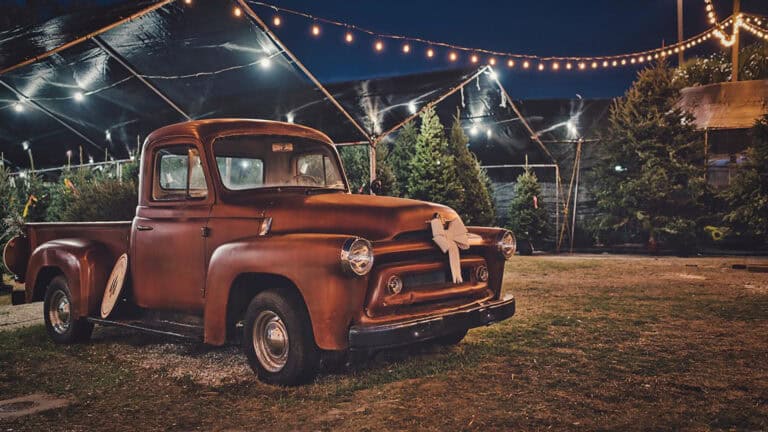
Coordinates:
376 187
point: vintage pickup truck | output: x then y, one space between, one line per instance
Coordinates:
246 231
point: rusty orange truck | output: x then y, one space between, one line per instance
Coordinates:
246 230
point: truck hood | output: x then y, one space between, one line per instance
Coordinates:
371 217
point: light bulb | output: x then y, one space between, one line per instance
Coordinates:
430 53
379 46
349 37
315 30
277 21
406 48
453 56
511 63
237 12
526 64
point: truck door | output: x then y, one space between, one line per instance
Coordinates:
168 235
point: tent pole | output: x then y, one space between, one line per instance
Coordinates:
249 11
534 135
81 39
110 52
576 191
431 104
50 114
372 162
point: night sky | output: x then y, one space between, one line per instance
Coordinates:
543 27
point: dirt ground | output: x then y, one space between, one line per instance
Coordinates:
598 343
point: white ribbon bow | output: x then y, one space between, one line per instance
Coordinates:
451 240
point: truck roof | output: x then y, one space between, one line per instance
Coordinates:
210 128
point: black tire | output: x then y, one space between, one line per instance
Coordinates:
63 330
294 363
451 338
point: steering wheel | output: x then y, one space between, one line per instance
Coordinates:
312 179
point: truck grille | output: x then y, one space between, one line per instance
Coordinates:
435 277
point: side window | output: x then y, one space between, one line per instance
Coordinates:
178 174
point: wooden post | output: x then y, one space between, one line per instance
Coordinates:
680 56
736 44
372 162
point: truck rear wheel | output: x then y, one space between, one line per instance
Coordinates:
60 322
278 340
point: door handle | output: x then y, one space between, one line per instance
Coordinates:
143 228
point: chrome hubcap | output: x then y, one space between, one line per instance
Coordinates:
58 313
270 341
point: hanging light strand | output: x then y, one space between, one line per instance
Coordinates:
480 55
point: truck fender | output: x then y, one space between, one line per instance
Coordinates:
85 264
310 261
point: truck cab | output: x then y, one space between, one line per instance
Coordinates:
248 230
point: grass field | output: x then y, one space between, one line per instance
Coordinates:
598 343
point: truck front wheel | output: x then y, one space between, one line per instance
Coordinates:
278 340
60 322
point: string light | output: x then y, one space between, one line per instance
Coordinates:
237 12
582 66
78 96
188 2
475 54
541 66
18 107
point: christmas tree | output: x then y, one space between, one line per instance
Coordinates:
433 175
747 195
477 207
650 183
401 154
527 217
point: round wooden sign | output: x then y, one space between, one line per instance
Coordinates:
114 286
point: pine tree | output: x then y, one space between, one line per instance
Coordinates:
355 161
527 217
401 155
356 165
747 195
650 182
432 169
385 173
477 207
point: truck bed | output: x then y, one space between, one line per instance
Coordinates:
115 235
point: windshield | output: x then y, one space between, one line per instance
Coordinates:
266 161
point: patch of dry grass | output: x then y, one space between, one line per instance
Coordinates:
598 343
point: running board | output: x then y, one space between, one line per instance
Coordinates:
146 328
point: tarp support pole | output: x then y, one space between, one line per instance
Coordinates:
430 104
107 49
50 114
72 43
265 28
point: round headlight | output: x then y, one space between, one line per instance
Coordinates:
507 244
357 256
